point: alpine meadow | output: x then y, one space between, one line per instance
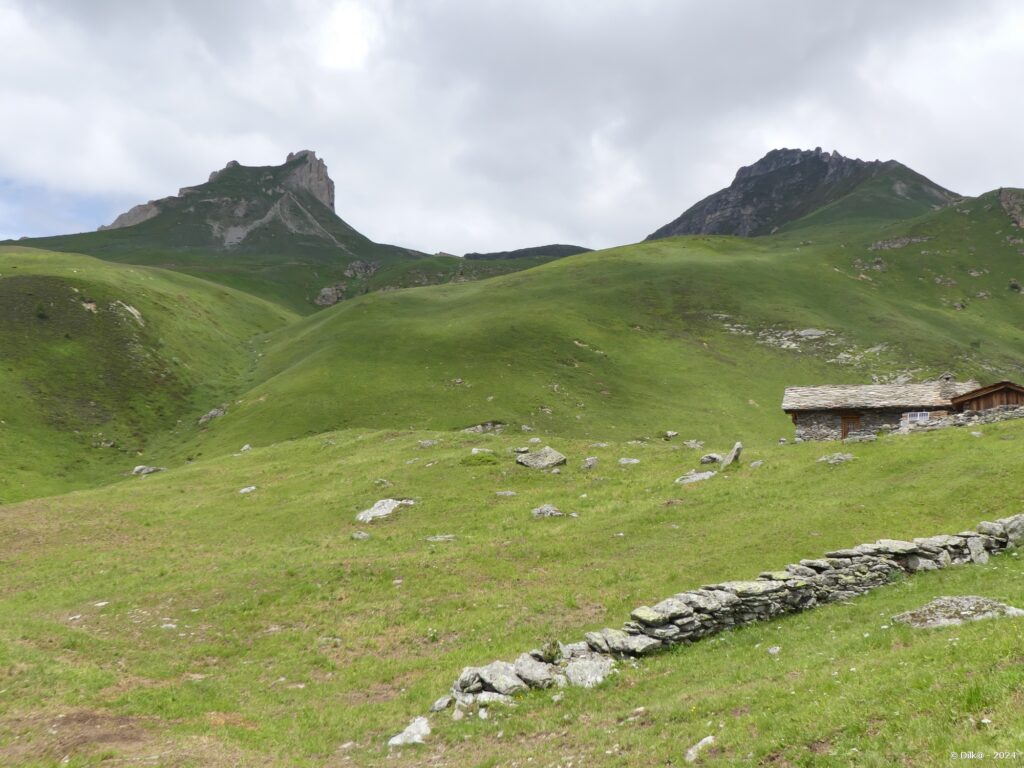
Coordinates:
743 492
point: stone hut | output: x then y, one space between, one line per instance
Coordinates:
839 411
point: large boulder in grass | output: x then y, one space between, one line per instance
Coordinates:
951 611
383 508
546 458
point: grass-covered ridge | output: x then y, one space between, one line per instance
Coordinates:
251 627
99 360
694 334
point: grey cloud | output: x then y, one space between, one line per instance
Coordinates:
487 124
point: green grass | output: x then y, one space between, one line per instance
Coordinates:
267 592
290 639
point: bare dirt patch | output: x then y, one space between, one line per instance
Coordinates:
96 734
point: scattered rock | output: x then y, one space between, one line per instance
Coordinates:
951 611
535 673
1014 527
214 413
711 458
428 443
441 537
546 458
505 493
382 508
478 451
360 536
694 752
245 448
627 462
977 551
694 444
248 489
547 510
590 462
669 434
500 677
143 470
756 464
415 733
486 428
693 476
733 456
442 704
588 671
837 458
534 440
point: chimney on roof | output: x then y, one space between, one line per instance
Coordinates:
947 385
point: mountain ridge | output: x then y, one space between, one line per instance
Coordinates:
788 184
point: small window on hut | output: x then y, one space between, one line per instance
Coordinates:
917 416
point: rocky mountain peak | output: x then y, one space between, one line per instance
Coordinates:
778 159
788 184
238 200
310 174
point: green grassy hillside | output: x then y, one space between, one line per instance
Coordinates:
98 360
695 334
217 628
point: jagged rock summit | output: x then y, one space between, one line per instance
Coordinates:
237 201
788 184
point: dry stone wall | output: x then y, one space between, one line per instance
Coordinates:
689 616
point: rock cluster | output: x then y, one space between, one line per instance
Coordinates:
689 616
953 611
213 413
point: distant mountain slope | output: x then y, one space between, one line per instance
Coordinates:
789 184
551 251
698 334
269 230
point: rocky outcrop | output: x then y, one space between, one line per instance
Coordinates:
133 216
272 195
1012 201
953 611
330 295
360 268
785 185
310 175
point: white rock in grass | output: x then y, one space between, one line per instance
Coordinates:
694 752
382 508
248 489
695 477
588 671
415 733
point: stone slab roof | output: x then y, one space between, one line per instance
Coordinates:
933 394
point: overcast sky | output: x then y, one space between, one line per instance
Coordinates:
463 125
